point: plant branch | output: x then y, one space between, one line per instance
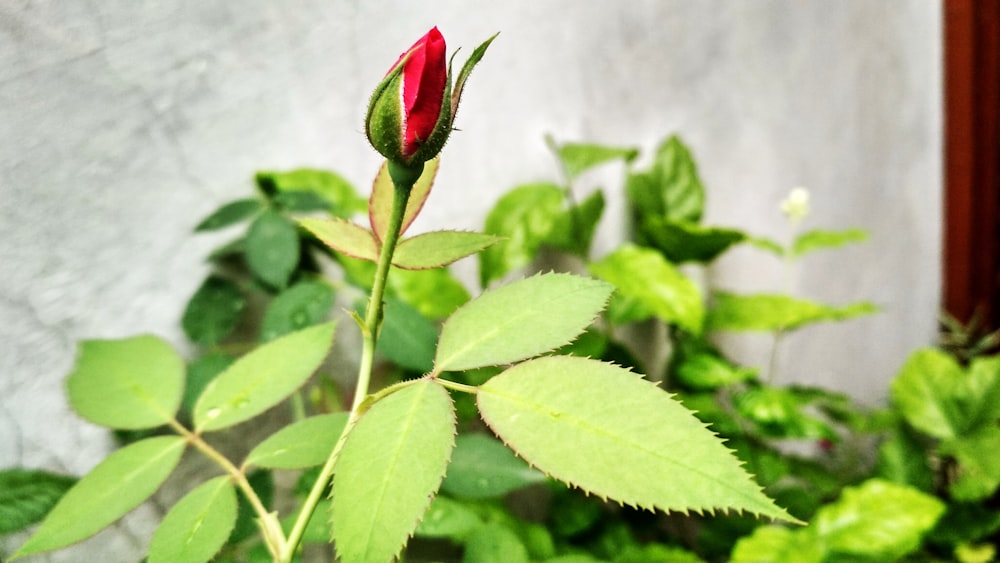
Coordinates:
402 184
273 536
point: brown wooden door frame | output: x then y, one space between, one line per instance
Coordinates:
971 258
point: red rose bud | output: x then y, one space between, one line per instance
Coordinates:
411 112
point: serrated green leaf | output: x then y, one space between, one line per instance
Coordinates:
818 239
344 236
262 378
407 338
341 199
439 248
481 467
494 544
681 241
200 372
391 465
577 158
936 396
197 527
671 188
27 495
447 518
301 444
213 311
434 293
877 519
230 214
643 275
380 202
272 248
770 312
117 485
606 430
573 230
520 320
304 304
132 383
524 217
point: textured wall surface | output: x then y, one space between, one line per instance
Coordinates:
126 122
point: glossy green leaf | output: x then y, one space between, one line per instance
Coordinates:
494 544
773 544
407 338
304 443
877 519
117 485
434 293
213 311
389 469
769 312
778 412
132 383
197 527
263 378
304 304
447 518
524 217
439 248
272 248
681 241
342 200
230 214
978 471
608 431
520 320
645 276
819 239
344 236
939 398
704 370
577 158
671 188
574 228
27 495
481 467
902 459
380 202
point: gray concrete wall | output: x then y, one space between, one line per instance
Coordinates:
125 122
